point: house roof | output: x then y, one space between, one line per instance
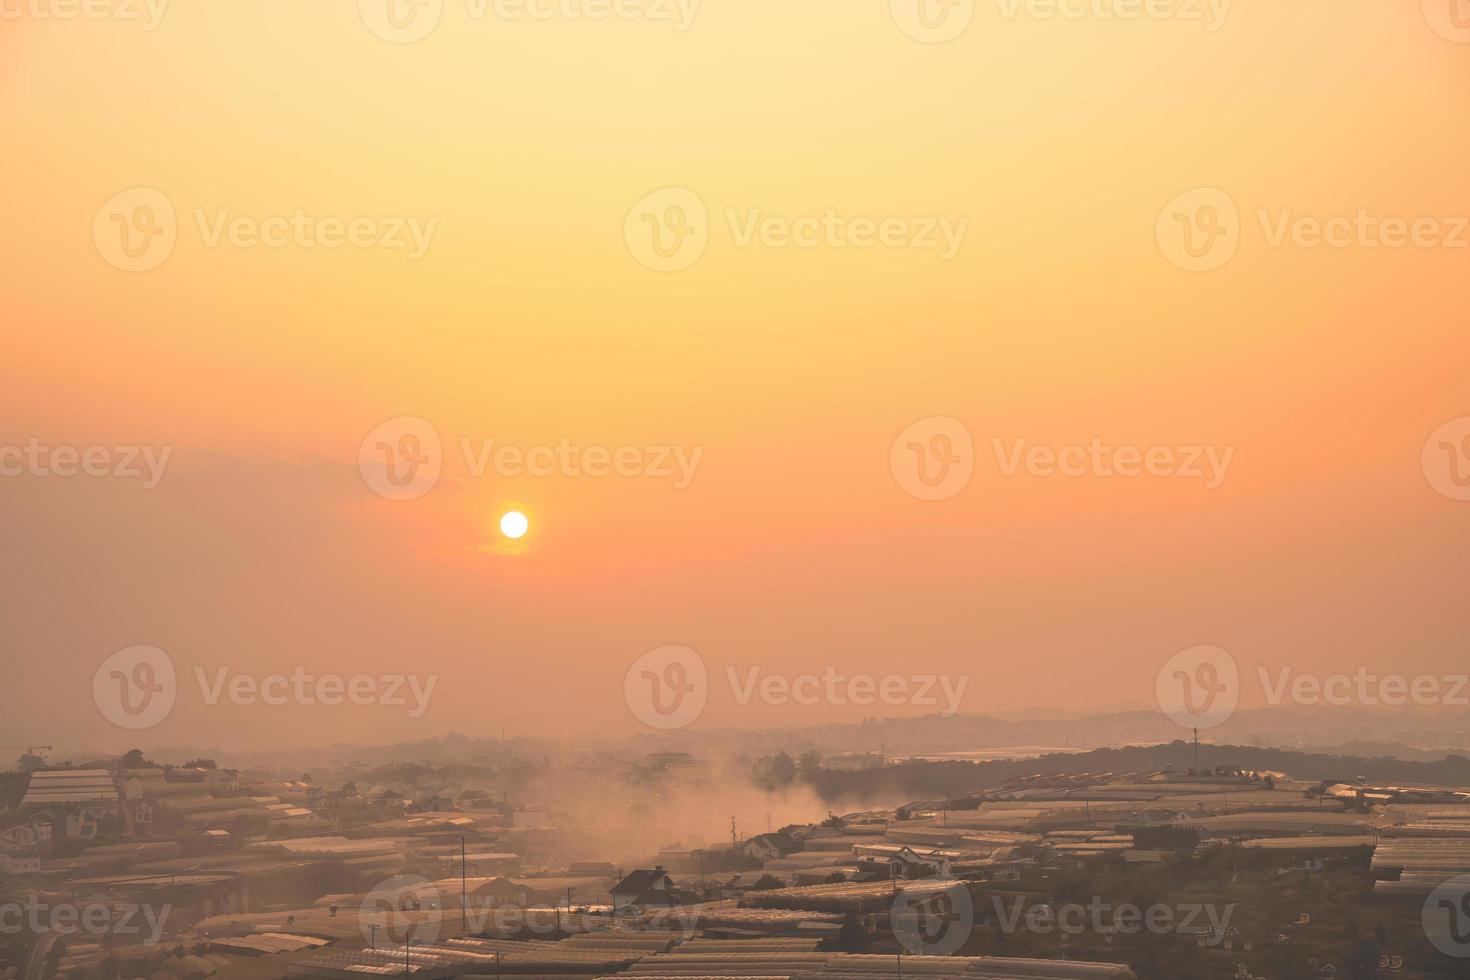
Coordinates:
641 880
52 787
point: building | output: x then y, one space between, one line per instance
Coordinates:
644 888
764 847
86 801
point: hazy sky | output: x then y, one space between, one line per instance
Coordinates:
532 318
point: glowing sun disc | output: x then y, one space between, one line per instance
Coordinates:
514 525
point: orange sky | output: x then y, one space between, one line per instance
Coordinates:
529 320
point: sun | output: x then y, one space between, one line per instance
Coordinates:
514 525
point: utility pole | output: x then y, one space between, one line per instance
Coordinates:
1196 750
734 842
464 903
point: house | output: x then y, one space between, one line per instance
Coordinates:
901 861
493 862
20 851
224 781
488 892
764 847
644 888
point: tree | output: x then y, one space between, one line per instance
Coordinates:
774 771
201 764
811 761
